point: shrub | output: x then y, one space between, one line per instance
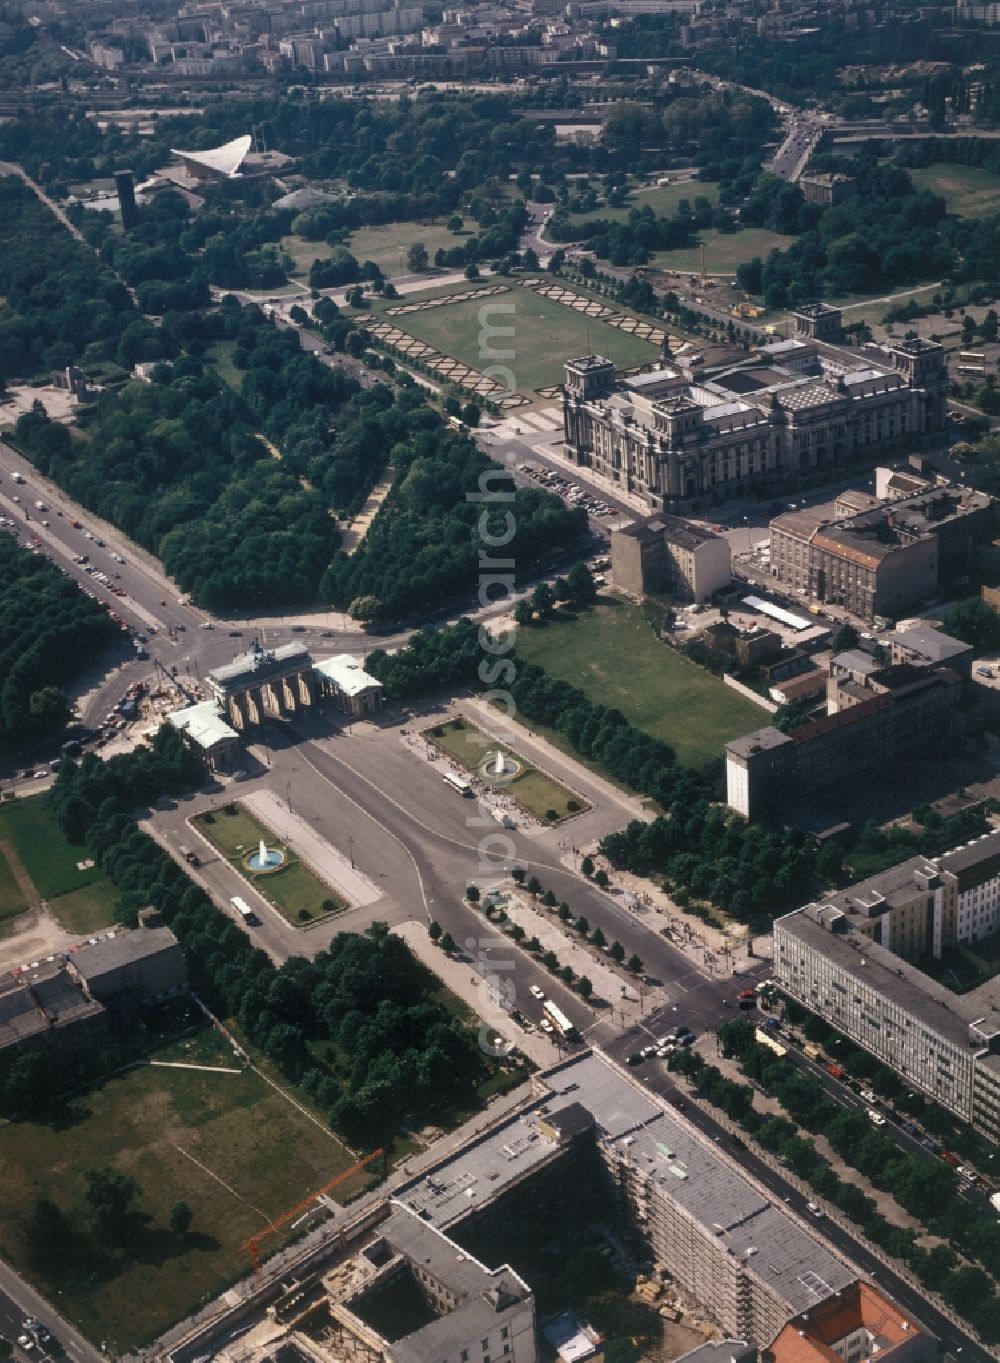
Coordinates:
574 806
551 815
330 906
304 915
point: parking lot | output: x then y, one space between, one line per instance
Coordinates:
570 492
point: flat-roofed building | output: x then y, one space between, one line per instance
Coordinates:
670 556
142 965
345 680
203 727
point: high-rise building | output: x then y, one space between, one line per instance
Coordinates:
125 185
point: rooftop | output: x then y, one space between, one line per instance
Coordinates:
225 160
673 529
930 643
203 724
861 1307
111 953
32 1005
260 663
347 674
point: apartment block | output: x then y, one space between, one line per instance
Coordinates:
944 1044
671 556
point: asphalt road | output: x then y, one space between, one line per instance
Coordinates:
655 1076
19 1300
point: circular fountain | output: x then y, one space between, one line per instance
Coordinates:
499 768
265 861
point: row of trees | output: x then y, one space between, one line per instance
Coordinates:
49 631
967 1289
426 540
357 1026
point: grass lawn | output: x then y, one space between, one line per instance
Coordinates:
872 313
297 894
724 251
80 900
532 789
220 353
968 191
613 656
152 1123
388 244
546 335
663 200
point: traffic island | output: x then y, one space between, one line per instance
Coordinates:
495 766
278 874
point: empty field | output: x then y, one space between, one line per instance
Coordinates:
663 200
80 900
297 894
724 251
545 335
531 789
968 191
256 1156
387 245
613 656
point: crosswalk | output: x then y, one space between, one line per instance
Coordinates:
543 421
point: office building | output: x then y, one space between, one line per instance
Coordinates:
141 966
827 189
831 956
878 559
904 711
670 556
689 434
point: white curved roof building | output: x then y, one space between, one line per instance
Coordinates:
221 163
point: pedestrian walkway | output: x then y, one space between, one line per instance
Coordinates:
545 420
464 979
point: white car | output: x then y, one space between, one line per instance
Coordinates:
816 1211
535 992
546 1026
875 1118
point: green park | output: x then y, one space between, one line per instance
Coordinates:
295 891
613 655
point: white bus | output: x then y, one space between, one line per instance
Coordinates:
243 909
560 1021
458 783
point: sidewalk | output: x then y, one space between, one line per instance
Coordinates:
473 988
610 987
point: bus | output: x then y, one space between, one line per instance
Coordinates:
458 783
243 909
560 1021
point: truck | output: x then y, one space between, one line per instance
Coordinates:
40 505
243 909
836 1071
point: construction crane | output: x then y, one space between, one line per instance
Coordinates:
253 1244
701 253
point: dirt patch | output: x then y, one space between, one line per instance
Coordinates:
24 882
33 936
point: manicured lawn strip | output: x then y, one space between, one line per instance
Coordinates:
88 909
139 1123
545 335
220 353
293 890
532 789
613 656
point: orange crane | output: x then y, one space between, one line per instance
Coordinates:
253 1244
